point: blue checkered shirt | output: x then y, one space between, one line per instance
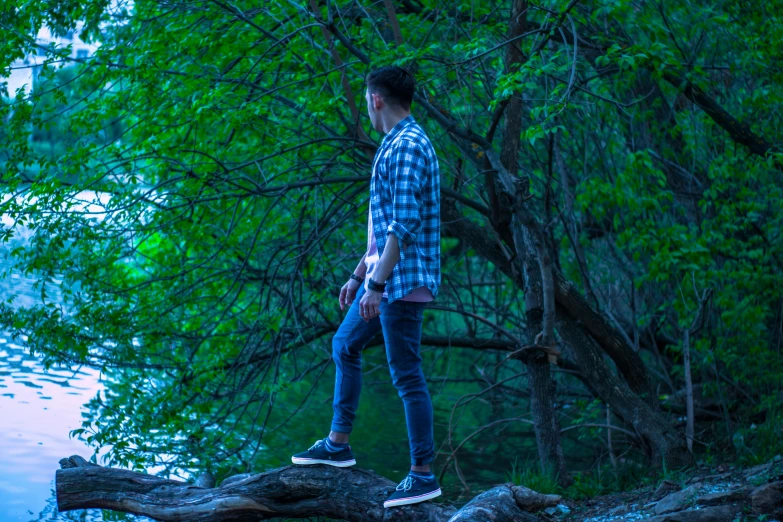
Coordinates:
405 201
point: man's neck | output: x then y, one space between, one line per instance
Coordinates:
393 119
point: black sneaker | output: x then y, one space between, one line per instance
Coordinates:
413 490
318 454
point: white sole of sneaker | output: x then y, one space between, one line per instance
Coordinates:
338 464
411 500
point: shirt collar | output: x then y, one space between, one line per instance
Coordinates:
399 126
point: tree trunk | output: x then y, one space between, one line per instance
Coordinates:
686 363
517 26
509 226
542 394
542 387
289 492
539 293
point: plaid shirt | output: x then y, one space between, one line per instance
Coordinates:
405 201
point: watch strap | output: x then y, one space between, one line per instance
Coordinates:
375 286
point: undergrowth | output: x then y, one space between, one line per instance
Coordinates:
601 480
757 444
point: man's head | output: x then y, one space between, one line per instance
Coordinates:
389 94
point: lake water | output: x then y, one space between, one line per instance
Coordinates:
38 409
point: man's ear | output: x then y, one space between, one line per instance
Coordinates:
377 102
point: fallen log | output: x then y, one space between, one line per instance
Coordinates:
293 491
505 503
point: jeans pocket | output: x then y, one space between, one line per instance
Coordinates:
414 311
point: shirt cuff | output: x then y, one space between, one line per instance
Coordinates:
404 236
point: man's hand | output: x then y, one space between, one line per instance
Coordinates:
348 293
370 305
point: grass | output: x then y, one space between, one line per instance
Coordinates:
531 477
587 484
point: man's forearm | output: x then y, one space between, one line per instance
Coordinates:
389 258
361 268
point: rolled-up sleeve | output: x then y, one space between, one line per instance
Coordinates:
407 167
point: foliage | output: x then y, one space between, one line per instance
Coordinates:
197 192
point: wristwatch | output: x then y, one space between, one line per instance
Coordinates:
375 286
357 278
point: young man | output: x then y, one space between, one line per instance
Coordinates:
398 274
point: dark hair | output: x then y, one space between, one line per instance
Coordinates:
394 84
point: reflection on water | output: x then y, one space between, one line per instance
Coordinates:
37 410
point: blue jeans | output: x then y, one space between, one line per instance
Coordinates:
401 326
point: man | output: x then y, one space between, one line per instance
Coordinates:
398 274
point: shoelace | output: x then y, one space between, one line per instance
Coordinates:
317 444
406 484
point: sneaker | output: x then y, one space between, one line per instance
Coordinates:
318 454
413 490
